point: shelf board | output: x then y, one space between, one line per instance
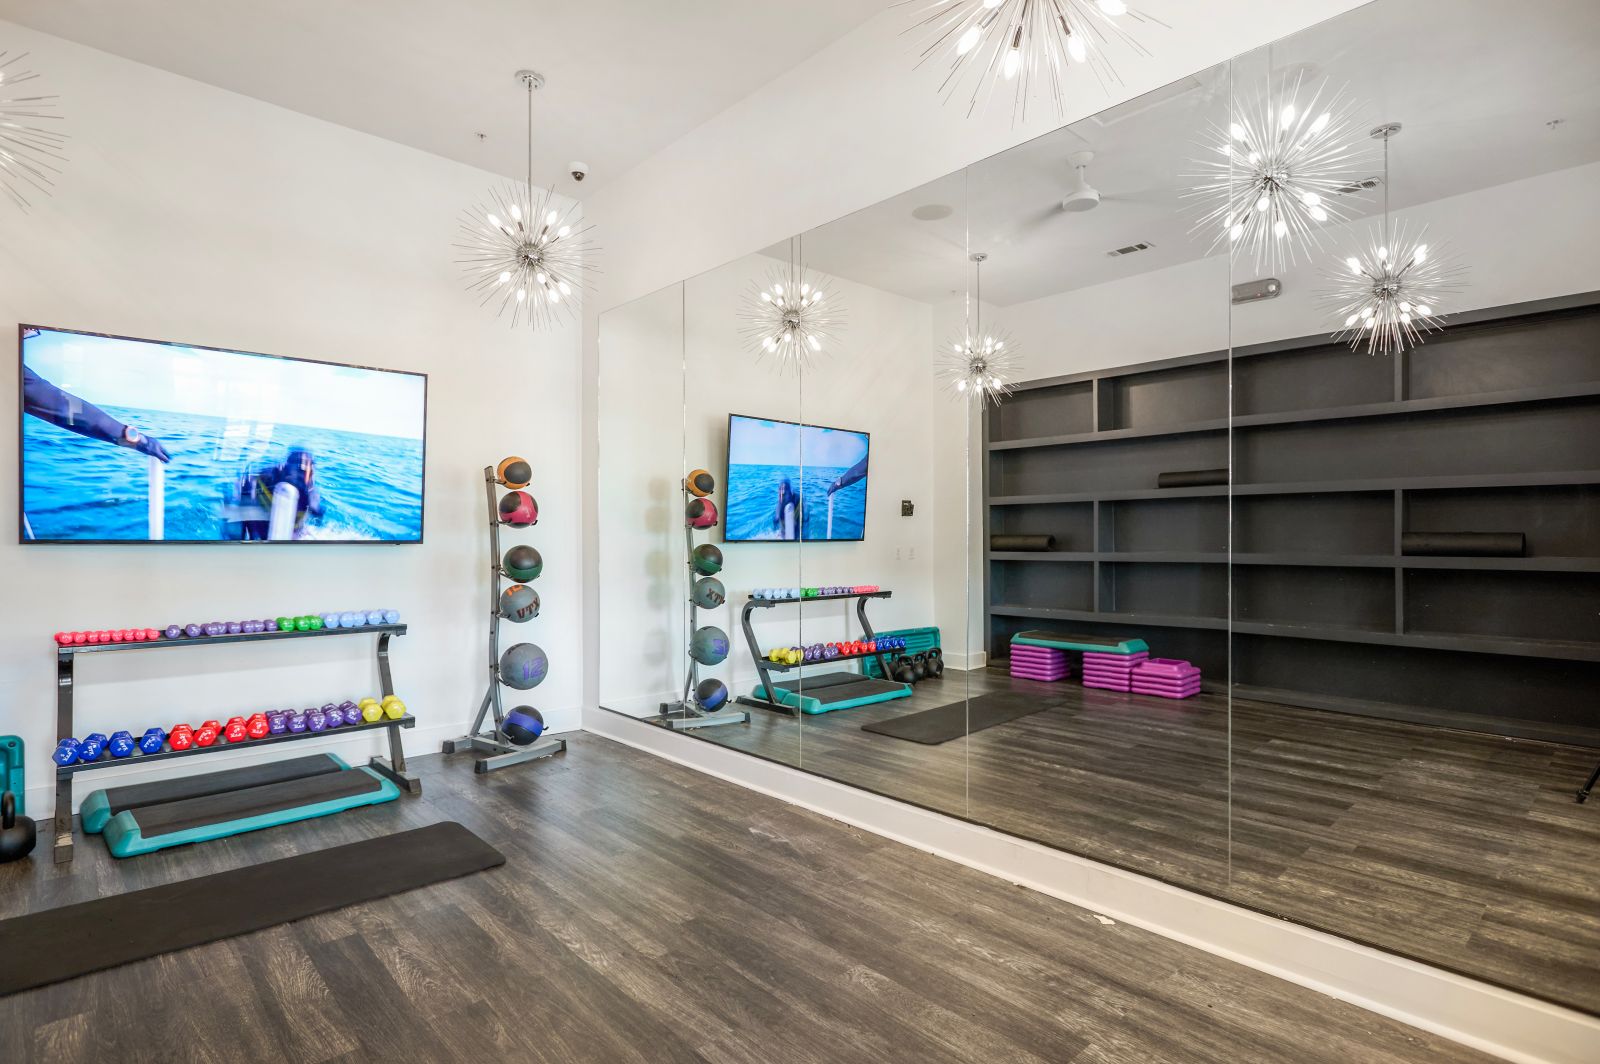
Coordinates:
1474 644
753 601
1565 478
1306 560
213 640
137 758
775 667
1154 620
1183 428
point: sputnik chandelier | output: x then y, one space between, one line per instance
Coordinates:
29 150
981 364
1278 172
522 250
791 317
1389 293
1022 45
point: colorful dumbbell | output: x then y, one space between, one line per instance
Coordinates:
66 751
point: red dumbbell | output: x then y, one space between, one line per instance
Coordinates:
205 735
256 727
235 731
181 738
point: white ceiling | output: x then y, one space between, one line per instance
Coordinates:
625 77
1473 85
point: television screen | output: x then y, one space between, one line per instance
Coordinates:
789 482
137 440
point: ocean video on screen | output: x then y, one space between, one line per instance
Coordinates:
138 440
792 482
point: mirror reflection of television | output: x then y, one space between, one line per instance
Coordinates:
788 481
126 440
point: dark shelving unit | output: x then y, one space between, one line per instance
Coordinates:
1492 425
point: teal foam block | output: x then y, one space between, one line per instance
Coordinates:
12 777
1066 642
124 839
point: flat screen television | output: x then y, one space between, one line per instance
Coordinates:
127 440
788 481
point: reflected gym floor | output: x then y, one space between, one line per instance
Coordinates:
651 913
1462 850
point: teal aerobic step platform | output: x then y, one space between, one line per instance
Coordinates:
835 690
215 816
1093 644
96 810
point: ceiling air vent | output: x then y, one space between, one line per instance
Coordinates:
1130 249
1365 185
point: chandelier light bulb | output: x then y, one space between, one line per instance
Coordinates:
1386 301
1017 48
783 317
504 262
1285 152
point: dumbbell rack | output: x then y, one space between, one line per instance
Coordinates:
393 767
501 750
765 668
685 713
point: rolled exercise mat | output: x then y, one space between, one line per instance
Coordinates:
1005 541
1192 478
1465 544
63 943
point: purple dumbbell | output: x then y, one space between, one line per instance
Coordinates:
192 631
172 631
352 714
297 722
316 721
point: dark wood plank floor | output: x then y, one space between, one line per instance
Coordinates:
651 913
1464 851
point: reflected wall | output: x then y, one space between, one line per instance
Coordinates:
1378 567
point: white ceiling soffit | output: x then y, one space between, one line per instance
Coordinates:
625 78
1475 91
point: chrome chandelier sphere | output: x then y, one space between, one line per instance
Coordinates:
30 148
522 251
793 316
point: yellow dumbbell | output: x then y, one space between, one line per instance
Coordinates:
365 702
394 708
371 711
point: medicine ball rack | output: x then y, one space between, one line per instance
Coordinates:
392 767
685 713
494 742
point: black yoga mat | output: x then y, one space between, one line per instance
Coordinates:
56 944
1464 544
940 725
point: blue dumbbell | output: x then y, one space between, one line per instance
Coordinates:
121 745
91 749
67 752
391 616
153 740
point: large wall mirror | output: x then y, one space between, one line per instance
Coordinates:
1270 572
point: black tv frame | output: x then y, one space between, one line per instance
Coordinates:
23 327
727 462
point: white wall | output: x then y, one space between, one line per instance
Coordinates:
1524 240
879 381
192 214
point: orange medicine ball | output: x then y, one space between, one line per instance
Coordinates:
699 483
514 472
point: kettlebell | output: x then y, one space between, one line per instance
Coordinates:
903 671
17 833
919 668
935 663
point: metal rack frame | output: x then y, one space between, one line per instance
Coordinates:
765 668
685 714
501 750
392 767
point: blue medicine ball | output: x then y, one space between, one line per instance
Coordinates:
711 694
523 725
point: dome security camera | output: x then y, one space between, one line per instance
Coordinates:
578 170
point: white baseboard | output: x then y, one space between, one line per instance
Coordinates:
1499 1022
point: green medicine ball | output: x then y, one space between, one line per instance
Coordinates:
706 559
523 564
